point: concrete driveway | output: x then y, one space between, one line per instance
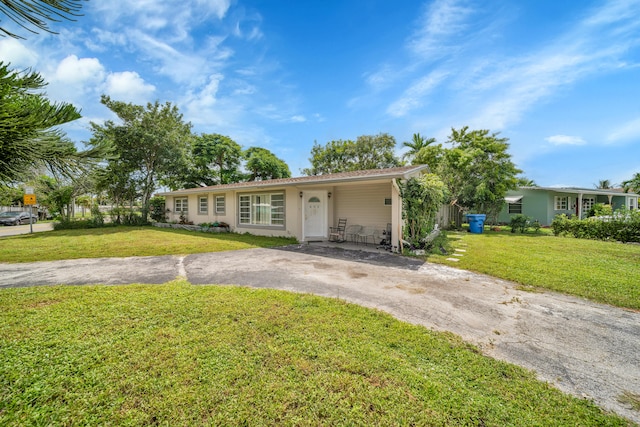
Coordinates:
586 349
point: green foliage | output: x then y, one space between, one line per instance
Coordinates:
36 13
262 165
157 209
519 223
478 170
97 217
600 209
623 226
367 152
633 184
422 197
29 138
10 195
214 159
417 144
149 145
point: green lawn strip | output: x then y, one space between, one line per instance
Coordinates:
606 272
179 355
123 242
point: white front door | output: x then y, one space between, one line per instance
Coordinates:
315 214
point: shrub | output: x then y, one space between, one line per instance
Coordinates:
519 223
623 226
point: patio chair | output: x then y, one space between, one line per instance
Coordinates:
352 233
367 232
337 234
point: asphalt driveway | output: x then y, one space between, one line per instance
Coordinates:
586 349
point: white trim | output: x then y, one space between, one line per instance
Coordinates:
513 199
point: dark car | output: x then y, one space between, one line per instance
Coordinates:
15 218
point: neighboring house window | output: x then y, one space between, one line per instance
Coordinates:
632 204
588 203
515 207
220 205
181 205
265 209
203 205
561 203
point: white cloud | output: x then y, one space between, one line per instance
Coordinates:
565 140
128 86
298 119
20 56
628 131
443 18
414 97
79 72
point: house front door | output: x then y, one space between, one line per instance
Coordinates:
315 214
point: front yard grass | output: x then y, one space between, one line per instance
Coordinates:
607 272
183 355
124 242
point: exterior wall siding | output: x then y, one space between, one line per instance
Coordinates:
363 204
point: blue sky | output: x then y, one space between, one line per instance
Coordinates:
560 79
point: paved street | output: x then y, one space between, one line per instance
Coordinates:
25 229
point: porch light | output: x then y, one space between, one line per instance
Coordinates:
301 194
329 194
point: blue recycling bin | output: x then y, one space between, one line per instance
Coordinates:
476 222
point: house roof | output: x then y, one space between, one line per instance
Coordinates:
610 191
361 175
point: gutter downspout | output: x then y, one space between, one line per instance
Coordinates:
396 229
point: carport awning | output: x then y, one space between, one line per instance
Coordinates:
513 199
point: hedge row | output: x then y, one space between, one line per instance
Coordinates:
623 227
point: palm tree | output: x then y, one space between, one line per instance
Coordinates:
36 13
604 184
633 184
523 181
417 143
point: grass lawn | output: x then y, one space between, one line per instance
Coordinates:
606 272
183 355
123 242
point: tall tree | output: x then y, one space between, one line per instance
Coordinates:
416 145
147 146
36 13
633 184
478 170
215 159
262 165
366 152
29 138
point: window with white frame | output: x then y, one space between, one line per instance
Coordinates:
203 205
561 203
262 209
220 205
181 205
588 203
633 204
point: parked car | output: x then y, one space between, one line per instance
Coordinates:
15 218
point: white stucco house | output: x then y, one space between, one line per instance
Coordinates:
302 207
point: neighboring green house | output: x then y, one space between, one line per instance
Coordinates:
544 203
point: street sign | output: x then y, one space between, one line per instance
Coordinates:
29 199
